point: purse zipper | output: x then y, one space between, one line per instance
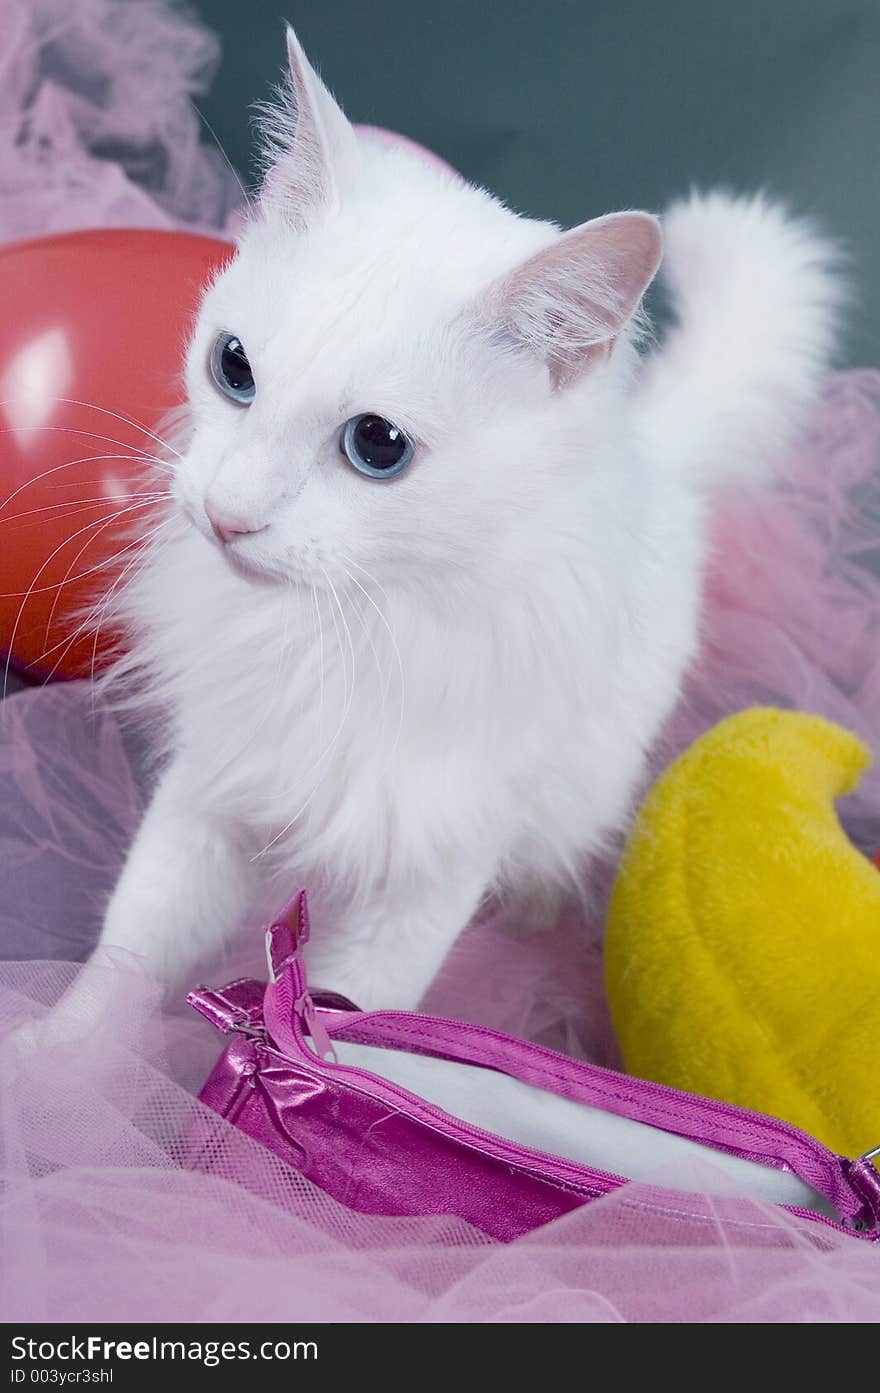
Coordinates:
627 1097
859 1178
571 1175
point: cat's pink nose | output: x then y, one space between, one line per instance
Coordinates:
225 526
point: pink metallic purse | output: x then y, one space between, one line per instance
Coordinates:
396 1113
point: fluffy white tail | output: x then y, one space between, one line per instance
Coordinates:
756 300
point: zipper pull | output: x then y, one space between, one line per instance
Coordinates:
321 1042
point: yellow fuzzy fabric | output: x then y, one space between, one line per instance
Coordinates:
743 947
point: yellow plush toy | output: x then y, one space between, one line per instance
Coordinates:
743 947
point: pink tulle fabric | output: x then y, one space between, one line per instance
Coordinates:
102 1219
97 125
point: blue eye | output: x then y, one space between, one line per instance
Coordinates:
231 370
375 447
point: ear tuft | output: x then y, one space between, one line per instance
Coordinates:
308 140
570 301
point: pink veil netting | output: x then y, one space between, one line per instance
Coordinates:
102 1217
97 124
791 613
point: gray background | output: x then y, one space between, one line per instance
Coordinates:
571 108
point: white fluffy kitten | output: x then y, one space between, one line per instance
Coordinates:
405 687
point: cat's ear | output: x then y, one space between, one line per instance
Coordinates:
310 141
569 302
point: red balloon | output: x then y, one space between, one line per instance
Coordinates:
95 326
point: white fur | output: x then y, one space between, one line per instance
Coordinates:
448 681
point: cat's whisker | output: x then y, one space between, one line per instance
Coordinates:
392 638
273 700
80 505
132 485
117 514
384 677
102 604
344 669
348 699
104 411
345 625
122 580
249 202
66 644
134 544
98 612
133 452
102 523
348 688
66 577
347 561
364 572
57 468
397 657
33 589
320 630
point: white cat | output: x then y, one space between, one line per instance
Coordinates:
431 572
